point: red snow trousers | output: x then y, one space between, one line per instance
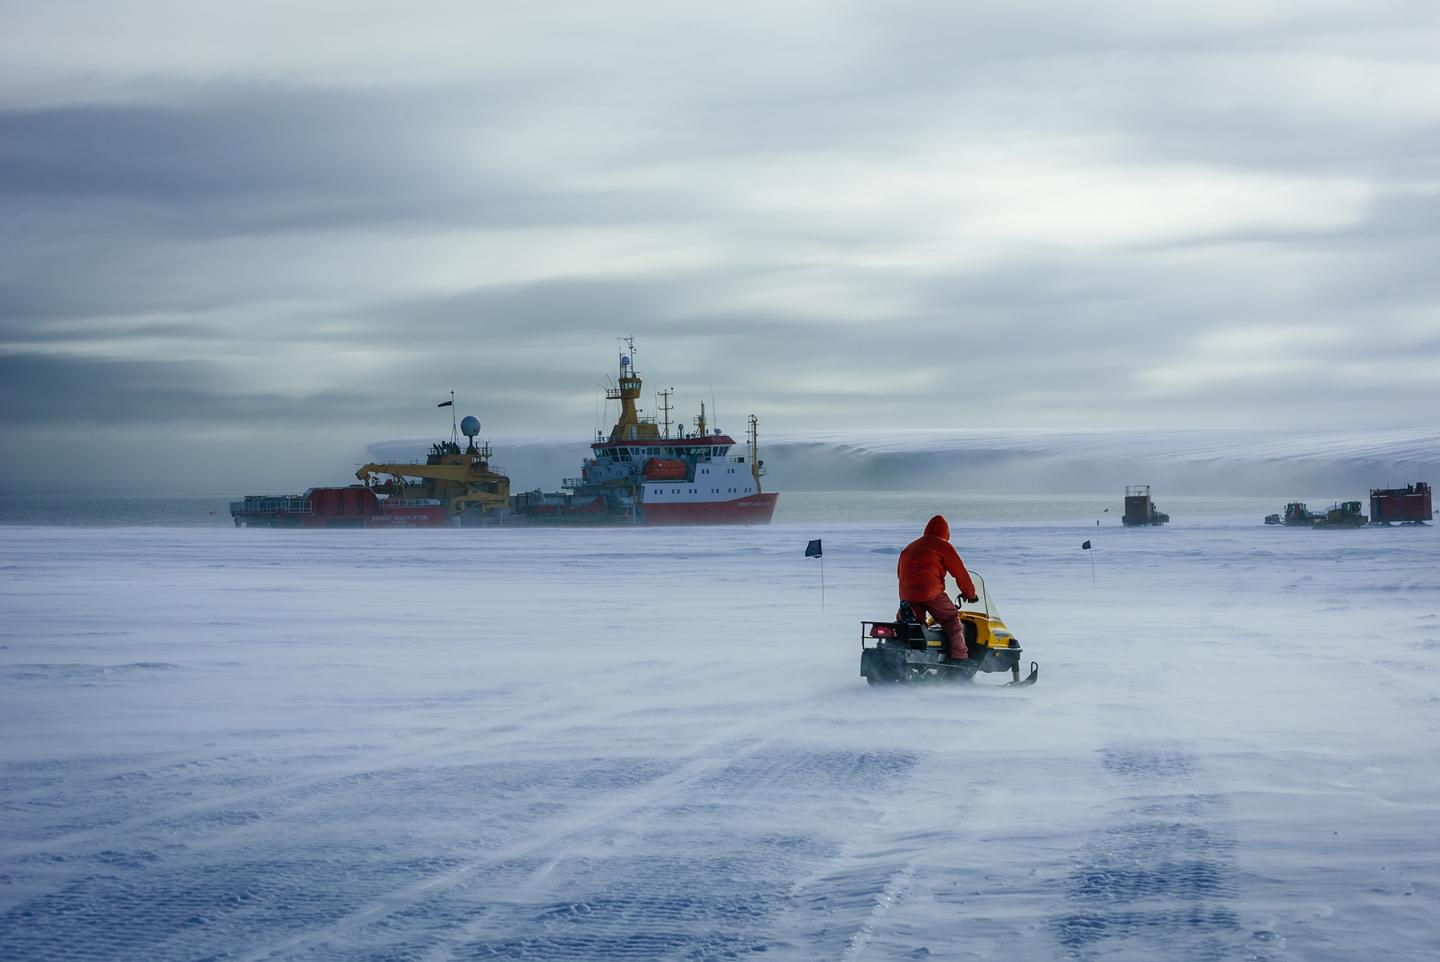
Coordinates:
945 612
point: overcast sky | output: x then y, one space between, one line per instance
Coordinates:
253 226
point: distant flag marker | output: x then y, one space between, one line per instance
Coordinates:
813 550
1083 547
1086 547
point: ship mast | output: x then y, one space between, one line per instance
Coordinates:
454 425
627 392
756 465
664 397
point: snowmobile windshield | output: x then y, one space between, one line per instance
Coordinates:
983 605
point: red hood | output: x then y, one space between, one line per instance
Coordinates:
939 527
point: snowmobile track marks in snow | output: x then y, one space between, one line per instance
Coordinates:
693 889
1159 880
682 885
161 812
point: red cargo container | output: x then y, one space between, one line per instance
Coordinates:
1408 505
355 506
335 507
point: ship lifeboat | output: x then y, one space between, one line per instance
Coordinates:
664 469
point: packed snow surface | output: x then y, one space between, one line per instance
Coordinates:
654 744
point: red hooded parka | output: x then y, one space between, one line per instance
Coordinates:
925 561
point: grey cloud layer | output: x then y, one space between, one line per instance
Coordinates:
921 214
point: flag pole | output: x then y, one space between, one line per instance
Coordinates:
816 550
1092 557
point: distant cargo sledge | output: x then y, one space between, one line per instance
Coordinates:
1408 505
1139 509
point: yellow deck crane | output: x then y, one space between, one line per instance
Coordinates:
461 478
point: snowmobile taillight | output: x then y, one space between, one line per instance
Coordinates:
882 631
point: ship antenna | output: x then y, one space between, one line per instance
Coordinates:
628 342
664 397
454 425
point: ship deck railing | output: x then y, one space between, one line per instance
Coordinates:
272 506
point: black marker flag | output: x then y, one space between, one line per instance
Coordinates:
812 550
1083 547
445 404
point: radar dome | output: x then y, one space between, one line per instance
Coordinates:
624 360
470 426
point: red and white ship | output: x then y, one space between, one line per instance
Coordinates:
644 472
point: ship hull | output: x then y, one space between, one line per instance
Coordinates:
751 509
383 520
426 517
351 507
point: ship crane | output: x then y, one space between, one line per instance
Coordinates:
463 479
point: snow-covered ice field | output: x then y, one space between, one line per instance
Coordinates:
654 744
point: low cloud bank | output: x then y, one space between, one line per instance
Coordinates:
1189 463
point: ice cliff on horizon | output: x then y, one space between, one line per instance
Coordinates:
1035 462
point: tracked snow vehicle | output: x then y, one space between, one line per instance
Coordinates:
906 652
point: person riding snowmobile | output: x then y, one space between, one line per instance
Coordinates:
921 571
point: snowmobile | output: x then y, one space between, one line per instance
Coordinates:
904 651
